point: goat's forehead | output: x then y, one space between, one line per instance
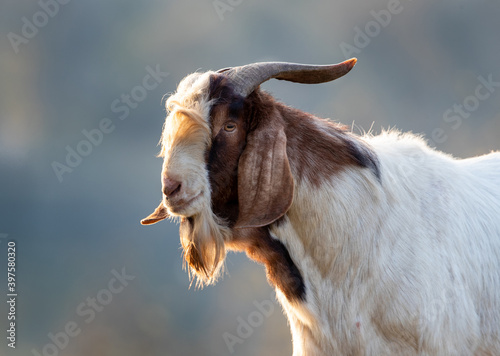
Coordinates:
189 109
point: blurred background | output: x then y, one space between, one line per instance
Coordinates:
81 111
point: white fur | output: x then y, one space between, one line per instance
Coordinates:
409 265
183 156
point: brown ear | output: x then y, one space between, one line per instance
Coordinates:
265 182
159 214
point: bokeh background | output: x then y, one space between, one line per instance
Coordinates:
73 231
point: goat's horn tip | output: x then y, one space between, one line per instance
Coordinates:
352 62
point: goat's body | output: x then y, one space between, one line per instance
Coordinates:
408 264
377 246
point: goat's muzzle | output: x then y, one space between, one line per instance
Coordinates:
171 187
178 197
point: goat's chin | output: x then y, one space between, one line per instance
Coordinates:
185 207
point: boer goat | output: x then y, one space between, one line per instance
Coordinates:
376 245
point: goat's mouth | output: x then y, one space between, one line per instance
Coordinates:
181 206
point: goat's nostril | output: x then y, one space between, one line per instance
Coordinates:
171 187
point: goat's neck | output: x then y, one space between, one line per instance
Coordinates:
336 189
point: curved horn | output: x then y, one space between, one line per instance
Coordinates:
247 78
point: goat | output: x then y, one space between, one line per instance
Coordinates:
376 245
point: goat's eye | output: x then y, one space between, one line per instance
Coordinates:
230 127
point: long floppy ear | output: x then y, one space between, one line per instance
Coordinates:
265 182
159 214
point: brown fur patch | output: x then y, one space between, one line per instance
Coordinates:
223 156
223 164
281 271
316 148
